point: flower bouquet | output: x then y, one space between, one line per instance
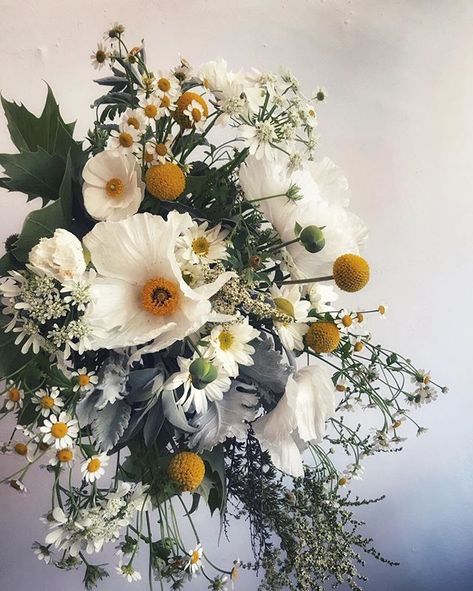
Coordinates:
170 333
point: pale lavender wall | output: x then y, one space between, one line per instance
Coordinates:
399 121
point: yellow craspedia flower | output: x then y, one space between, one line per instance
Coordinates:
322 337
351 272
183 102
165 181
187 469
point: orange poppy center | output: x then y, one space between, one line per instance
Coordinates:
160 296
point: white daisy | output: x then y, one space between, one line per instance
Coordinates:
150 107
321 296
167 84
134 118
128 572
60 430
344 321
158 152
99 56
62 457
195 113
140 295
200 245
197 393
112 189
13 397
259 139
48 401
93 468
229 345
26 450
124 139
287 300
86 380
195 559
382 309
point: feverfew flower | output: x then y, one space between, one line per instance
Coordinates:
86 380
60 430
99 56
62 457
124 140
229 344
197 393
195 559
345 320
195 113
13 397
93 468
259 139
48 401
167 84
287 300
128 572
200 245
151 106
134 118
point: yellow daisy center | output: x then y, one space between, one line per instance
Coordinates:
285 306
196 114
94 465
21 449
342 481
165 102
358 347
161 149
160 296
151 111
225 339
195 557
114 188
14 394
125 139
133 121
360 317
164 85
84 379
46 401
381 310
201 246
59 430
347 320
64 455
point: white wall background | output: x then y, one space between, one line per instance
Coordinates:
399 121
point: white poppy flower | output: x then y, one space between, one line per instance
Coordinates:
60 256
139 295
324 203
298 418
112 189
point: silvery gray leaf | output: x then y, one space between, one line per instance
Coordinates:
268 369
225 418
110 423
174 413
113 377
86 411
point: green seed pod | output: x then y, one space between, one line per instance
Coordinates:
203 372
312 238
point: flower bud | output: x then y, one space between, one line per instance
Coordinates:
312 238
203 372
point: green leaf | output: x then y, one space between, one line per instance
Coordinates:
38 174
43 222
29 132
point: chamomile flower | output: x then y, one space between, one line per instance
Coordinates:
150 107
382 309
195 114
201 245
62 457
230 344
93 468
26 450
99 56
128 572
199 386
13 397
42 552
288 302
167 84
158 152
195 559
48 401
259 139
345 320
60 430
134 118
124 139
86 380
